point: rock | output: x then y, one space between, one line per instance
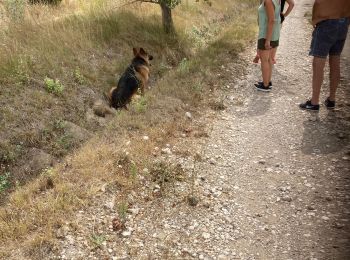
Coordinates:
310 207
117 224
206 204
188 115
328 198
77 133
338 225
126 233
103 187
38 160
110 205
62 232
145 138
286 198
212 161
341 135
166 151
205 235
134 211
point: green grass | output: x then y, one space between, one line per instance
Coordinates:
4 182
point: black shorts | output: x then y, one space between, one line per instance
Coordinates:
261 44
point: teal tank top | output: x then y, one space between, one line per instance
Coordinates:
263 21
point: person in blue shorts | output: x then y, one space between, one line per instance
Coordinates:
331 21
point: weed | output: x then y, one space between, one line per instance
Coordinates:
4 182
184 66
48 172
133 172
47 2
97 240
217 105
78 77
197 87
163 173
122 211
8 153
141 105
59 124
53 86
15 9
65 142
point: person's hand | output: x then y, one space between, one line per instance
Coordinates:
268 45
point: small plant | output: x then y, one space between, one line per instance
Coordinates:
59 124
48 172
53 86
4 182
46 2
97 240
197 87
78 77
184 66
141 105
8 153
133 171
15 9
122 211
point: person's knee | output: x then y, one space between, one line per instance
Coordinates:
264 58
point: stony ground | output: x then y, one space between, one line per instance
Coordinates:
272 182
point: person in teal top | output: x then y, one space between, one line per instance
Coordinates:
268 39
283 16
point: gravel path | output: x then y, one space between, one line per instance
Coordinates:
272 181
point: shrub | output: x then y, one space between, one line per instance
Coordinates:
15 9
53 86
4 182
46 2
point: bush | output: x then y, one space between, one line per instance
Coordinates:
4 182
53 86
46 2
15 9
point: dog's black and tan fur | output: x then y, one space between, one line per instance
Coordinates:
135 76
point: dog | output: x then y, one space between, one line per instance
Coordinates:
135 77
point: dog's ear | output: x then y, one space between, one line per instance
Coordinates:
135 51
142 51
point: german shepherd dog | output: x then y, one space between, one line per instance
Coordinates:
135 76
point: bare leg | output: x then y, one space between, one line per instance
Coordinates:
266 66
271 61
334 76
317 78
273 55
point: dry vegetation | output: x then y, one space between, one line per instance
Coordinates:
85 46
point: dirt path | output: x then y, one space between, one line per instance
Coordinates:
273 182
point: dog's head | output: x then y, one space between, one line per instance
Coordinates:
141 53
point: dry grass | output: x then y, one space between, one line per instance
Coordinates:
97 41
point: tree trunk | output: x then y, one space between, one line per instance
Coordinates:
167 19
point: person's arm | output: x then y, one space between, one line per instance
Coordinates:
270 11
290 7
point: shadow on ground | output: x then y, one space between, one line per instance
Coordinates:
327 135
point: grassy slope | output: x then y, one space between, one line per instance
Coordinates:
98 44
